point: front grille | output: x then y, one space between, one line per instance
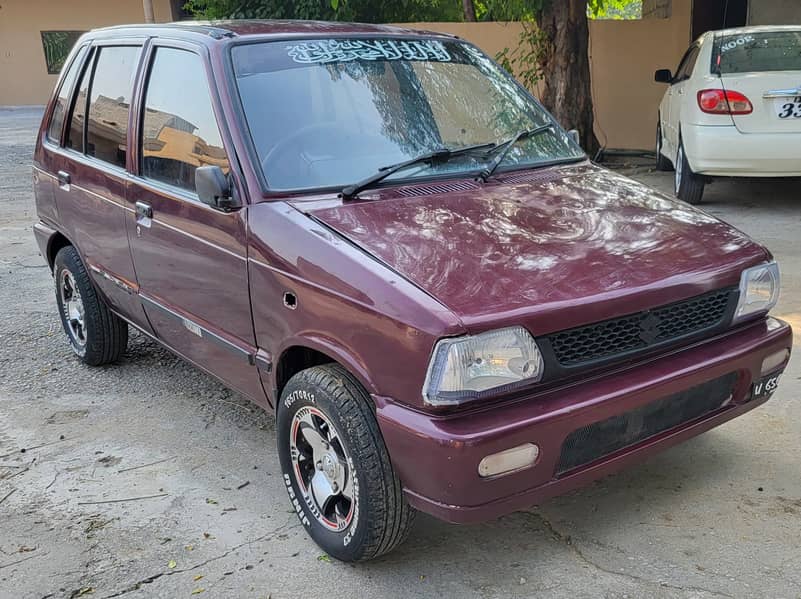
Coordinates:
600 439
642 330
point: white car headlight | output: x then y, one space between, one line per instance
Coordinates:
470 367
759 290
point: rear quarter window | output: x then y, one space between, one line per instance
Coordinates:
757 52
62 99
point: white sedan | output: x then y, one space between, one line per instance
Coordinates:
732 109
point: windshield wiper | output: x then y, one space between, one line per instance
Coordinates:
507 145
439 155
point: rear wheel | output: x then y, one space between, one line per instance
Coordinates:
336 468
662 163
96 335
689 186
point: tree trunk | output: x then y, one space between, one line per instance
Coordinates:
566 89
469 10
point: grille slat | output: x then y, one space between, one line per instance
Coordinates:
640 331
603 438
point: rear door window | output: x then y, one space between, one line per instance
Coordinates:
757 52
109 102
62 100
179 130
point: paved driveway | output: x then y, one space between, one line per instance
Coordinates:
718 516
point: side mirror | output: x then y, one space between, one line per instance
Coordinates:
663 76
573 134
213 188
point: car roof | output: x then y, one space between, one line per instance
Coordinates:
752 29
277 28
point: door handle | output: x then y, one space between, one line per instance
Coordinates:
144 210
63 178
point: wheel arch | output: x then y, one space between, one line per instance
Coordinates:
302 353
54 245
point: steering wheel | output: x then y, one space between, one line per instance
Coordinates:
299 138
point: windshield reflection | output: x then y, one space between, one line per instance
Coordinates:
333 112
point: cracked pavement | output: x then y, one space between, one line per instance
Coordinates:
150 479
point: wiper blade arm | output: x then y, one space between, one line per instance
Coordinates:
507 145
439 155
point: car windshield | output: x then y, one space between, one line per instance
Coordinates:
755 52
330 112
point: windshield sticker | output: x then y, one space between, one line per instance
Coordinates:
325 51
740 41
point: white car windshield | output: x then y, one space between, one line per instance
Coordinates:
329 112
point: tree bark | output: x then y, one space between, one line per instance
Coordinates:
566 87
469 10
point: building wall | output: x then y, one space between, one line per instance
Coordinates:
23 71
774 12
623 58
624 55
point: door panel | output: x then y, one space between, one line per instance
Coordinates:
191 259
191 263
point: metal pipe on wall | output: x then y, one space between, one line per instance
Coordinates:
147 6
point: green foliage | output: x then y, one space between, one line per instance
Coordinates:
614 9
368 11
524 62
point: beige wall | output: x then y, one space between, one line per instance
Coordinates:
624 56
23 72
774 12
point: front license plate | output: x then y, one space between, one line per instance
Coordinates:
788 108
765 386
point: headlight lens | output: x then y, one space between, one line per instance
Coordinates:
759 290
467 368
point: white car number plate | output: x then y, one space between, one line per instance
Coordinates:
789 107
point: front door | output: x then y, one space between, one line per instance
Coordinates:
190 258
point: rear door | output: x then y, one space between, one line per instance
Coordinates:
765 66
90 169
678 88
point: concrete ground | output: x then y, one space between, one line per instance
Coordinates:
717 516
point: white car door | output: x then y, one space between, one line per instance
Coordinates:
677 91
761 73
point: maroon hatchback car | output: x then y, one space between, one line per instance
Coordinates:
380 235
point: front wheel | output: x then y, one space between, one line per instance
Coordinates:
689 186
336 468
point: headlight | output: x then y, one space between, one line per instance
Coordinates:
466 368
759 290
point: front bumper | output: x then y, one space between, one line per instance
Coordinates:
437 457
724 151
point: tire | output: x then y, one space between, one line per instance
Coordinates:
96 335
662 163
688 185
365 514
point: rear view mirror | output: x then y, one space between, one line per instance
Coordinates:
663 76
213 188
573 134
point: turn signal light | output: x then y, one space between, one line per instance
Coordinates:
774 360
510 460
721 101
